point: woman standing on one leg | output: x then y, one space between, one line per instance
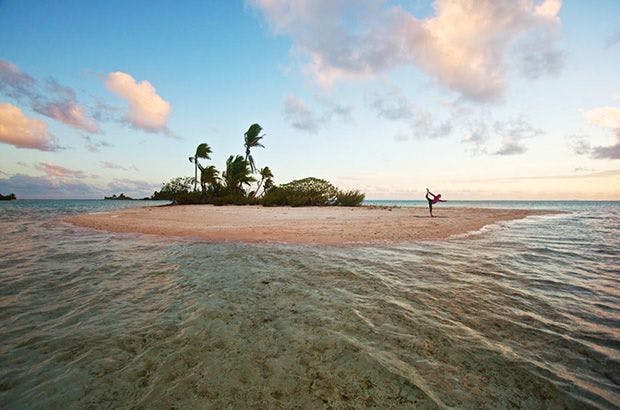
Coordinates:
433 200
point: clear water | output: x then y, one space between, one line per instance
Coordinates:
524 314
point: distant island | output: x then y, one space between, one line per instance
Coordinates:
120 197
9 197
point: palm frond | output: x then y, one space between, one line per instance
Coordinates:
203 150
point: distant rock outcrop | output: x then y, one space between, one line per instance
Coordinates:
10 197
120 197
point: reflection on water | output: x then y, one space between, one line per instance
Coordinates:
526 314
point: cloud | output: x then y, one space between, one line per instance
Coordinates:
513 133
579 144
603 117
332 109
94 145
147 110
538 59
14 83
608 152
60 172
58 102
23 132
463 45
111 165
64 108
300 116
390 103
476 137
26 186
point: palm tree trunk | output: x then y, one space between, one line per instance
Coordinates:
258 187
195 172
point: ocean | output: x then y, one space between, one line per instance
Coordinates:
522 314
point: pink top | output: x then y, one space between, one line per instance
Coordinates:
436 198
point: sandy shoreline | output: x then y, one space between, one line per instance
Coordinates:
312 225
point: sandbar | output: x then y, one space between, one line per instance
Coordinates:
305 225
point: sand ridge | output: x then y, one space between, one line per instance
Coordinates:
307 225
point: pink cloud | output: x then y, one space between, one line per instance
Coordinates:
58 102
57 171
147 110
69 113
23 132
463 45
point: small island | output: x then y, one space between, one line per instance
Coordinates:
10 197
121 197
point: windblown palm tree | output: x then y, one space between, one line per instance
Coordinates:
252 139
266 177
237 174
208 176
202 151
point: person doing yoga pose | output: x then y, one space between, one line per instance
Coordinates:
433 200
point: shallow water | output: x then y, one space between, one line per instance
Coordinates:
523 314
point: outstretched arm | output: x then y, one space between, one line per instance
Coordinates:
443 200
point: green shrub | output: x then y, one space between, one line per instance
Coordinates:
350 198
194 197
274 197
302 192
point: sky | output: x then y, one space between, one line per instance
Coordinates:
485 99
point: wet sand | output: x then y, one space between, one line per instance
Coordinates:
308 225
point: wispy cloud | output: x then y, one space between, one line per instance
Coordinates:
300 116
147 110
462 46
58 171
95 145
603 117
112 165
513 134
391 103
22 132
57 102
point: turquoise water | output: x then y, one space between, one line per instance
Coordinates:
524 314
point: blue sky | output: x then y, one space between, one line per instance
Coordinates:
502 100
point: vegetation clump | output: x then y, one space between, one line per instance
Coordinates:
350 198
302 192
174 188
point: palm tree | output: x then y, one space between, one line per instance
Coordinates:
266 177
252 139
208 176
237 173
202 151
